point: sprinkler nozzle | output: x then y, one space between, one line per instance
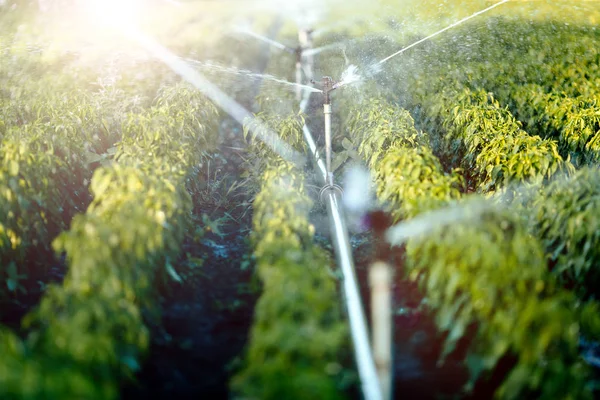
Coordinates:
327 85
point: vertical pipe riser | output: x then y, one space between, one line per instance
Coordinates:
298 81
327 112
343 251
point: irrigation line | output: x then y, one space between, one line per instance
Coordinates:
343 251
443 30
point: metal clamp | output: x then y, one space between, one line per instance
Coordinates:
325 189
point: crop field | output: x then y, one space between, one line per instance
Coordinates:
225 199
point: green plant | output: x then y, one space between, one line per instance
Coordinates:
87 334
408 175
566 215
493 143
488 273
573 121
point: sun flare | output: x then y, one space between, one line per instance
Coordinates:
121 14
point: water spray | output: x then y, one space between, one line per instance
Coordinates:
304 54
443 30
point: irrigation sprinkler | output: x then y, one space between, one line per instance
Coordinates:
327 85
303 52
304 40
330 196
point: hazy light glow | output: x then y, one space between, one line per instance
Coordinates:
428 222
122 14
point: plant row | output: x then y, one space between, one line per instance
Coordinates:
298 335
487 281
55 129
573 121
487 140
546 73
549 79
407 174
555 56
565 215
88 333
485 276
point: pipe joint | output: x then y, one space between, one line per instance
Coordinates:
330 188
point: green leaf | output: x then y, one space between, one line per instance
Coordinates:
171 271
339 160
13 167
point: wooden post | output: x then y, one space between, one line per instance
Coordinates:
380 281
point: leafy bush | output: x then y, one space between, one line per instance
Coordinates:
490 275
413 178
573 121
408 175
378 126
567 218
41 187
88 333
493 144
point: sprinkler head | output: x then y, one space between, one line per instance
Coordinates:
327 85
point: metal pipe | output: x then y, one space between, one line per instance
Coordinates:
343 251
305 41
380 280
327 112
298 80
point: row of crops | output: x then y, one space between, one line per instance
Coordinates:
522 124
509 281
98 172
487 273
95 168
87 334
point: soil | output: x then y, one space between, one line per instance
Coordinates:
205 324
206 319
